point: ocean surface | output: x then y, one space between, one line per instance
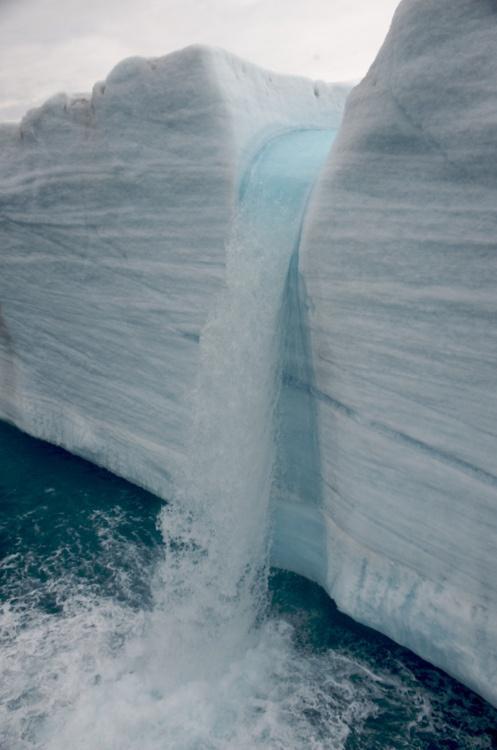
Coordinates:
83 629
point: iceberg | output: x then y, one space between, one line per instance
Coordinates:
171 248
399 263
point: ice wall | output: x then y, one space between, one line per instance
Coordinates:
115 212
399 261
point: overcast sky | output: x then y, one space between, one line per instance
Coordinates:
48 46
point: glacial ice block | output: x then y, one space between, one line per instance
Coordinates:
399 261
115 212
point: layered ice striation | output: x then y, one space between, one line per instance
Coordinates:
116 211
154 286
399 260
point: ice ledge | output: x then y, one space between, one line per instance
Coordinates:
276 101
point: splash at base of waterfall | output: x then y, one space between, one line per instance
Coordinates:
80 669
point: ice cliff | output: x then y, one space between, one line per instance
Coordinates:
116 213
400 266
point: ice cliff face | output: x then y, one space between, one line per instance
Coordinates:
115 213
400 267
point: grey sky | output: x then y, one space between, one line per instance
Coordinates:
47 46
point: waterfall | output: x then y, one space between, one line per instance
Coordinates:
213 583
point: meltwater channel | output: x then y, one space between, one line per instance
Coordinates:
129 623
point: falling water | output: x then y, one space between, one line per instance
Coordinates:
216 528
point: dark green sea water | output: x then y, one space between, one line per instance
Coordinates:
78 548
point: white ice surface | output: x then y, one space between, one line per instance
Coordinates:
115 211
399 261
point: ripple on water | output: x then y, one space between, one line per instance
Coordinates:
81 642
